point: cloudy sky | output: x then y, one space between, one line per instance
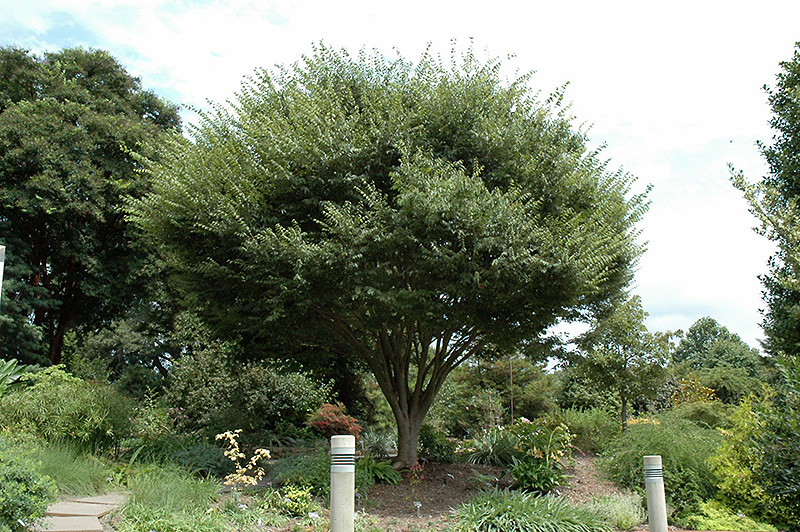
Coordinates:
673 89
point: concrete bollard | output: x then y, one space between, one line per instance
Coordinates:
343 483
656 501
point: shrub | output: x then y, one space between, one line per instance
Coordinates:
214 395
24 491
381 471
624 512
685 450
313 470
592 429
331 419
537 476
435 446
62 408
501 511
713 515
707 414
378 442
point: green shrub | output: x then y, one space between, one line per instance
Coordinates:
24 491
503 511
707 414
381 471
592 429
685 450
296 500
714 515
501 445
378 442
537 476
214 395
62 408
435 446
624 512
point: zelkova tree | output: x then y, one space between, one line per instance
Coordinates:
407 215
68 121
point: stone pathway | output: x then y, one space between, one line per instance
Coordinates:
80 514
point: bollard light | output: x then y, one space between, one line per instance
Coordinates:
343 483
656 501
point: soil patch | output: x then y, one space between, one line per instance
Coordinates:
440 488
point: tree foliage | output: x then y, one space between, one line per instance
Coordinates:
621 356
67 123
407 215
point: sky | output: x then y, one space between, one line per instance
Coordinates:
673 90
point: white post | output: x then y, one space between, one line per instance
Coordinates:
656 501
343 483
2 266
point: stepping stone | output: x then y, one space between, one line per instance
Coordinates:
116 499
70 524
79 508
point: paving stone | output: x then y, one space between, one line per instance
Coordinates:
116 499
79 508
84 523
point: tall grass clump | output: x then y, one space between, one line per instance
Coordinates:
75 472
514 511
624 512
685 449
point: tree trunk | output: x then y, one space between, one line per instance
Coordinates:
408 427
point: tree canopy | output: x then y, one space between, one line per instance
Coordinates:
408 215
621 356
68 121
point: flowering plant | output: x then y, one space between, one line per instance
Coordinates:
245 474
331 419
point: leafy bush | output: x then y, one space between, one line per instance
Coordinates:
213 396
592 428
24 491
685 450
62 408
537 476
624 512
378 442
713 515
313 470
380 471
296 500
331 419
501 511
435 446
758 465
707 414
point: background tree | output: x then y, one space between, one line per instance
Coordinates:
720 360
775 202
67 123
619 355
404 215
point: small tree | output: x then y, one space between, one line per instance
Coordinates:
619 355
406 216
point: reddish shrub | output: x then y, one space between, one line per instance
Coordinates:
330 420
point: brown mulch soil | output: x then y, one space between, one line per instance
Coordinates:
440 488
